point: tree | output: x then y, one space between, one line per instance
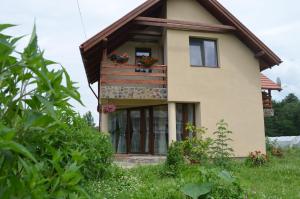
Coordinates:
89 119
286 121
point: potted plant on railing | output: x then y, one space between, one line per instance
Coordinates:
147 62
120 59
109 108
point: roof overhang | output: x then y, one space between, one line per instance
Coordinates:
91 50
267 84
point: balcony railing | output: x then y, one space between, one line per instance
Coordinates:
126 75
267 101
122 81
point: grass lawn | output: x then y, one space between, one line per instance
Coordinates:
280 179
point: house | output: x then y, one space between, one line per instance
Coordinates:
172 62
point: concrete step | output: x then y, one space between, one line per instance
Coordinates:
130 161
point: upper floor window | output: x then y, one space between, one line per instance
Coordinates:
203 52
140 53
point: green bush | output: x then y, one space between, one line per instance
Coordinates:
46 149
196 148
257 159
175 160
221 149
215 184
273 148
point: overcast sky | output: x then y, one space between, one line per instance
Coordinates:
276 22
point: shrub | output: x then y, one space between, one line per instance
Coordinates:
196 148
215 184
273 148
46 149
221 150
278 152
175 160
256 159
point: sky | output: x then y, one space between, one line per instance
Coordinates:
60 32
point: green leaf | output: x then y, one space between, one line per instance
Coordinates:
79 189
6 133
72 175
226 176
35 119
196 190
33 39
49 106
5 26
17 148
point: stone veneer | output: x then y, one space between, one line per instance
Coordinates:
122 92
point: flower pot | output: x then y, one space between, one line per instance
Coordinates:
137 70
147 70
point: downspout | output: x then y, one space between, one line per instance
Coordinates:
97 97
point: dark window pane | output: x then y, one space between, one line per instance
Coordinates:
195 52
203 53
210 53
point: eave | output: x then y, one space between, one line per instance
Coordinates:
91 50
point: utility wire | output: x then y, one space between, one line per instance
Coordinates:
81 19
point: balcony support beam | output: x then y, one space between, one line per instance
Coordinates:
183 25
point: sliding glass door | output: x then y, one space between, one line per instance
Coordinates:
145 130
140 131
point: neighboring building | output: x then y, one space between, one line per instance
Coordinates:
209 68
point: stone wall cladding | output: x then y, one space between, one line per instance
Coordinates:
120 92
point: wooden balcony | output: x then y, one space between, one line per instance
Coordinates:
122 81
267 101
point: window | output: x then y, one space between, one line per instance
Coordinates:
203 52
141 52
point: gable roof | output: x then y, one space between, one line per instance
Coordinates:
268 84
91 50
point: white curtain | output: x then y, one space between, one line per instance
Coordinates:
179 122
117 129
160 130
136 134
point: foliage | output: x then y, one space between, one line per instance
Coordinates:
215 184
120 59
286 121
196 148
256 159
175 160
196 190
44 149
259 182
221 150
278 152
148 61
119 184
273 148
88 117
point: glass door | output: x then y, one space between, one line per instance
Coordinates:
140 131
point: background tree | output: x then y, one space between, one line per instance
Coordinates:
89 119
286 121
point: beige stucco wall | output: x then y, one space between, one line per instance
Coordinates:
231 92
189 10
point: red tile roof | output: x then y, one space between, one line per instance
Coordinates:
266 83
